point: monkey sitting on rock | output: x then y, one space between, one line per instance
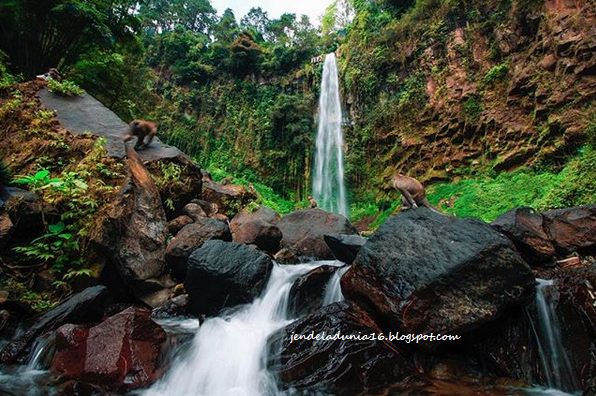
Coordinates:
313 203
412 191
141 129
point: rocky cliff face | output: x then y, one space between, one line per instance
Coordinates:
494 85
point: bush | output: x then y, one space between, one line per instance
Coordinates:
495 74
65 88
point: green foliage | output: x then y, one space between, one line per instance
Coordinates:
488 197
6 79
496 74
472 108
65 88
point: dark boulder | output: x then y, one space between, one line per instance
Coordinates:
423 273
230 198
257 228
194 211
132 233
173 307
525 228
345 247
308 291
24 210
87 306
6 229
118 354
174 226
224 274
342 367
572 229
540 237
304 232
189 239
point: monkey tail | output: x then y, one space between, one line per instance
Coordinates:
427 205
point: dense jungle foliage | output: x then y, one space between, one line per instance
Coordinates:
239 93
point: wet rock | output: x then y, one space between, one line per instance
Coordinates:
304 232
194 211
132 234
287 256
572 229
230 198
525 228
209 208
308 291
87 306
257 228
174 307
118 354
189 239
224 274
25 213
345 247
423 273
174 226
342 367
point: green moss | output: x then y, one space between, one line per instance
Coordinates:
496 74
65 88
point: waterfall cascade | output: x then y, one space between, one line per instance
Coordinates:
547 332
228 354
328 180
333 289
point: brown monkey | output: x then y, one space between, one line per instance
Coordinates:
141 129
412 191
313 203
54 75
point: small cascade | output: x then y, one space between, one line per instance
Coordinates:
333 290
43 349
554 360
328 180
228 354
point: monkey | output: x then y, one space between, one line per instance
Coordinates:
141 129
51 74
412 191
313 203
54 75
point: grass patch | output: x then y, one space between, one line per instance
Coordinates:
488 197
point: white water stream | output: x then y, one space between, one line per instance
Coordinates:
228 354
556 366
328 180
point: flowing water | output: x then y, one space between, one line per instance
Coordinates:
228 354
333 289
328 181
554 360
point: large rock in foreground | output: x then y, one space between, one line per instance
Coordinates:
118 354
224 274
257 228
87 306
189 239
423 273
132 235
341 367
304 231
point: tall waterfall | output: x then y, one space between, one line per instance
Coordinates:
553 357
328 181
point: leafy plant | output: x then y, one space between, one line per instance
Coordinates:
52 246
65 88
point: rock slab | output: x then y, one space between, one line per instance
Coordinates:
423 273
